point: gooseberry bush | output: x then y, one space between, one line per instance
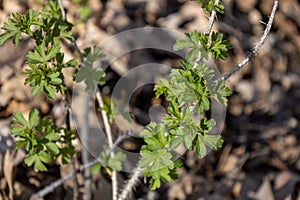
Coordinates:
189 91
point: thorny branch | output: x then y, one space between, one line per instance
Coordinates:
131 184
257 46
135 177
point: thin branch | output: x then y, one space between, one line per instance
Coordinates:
64 17
75 182
84 135
62 10
110 143
132 183
211 21
68 126
50 188
257 46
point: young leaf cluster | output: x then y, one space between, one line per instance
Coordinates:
42 140
209 5
46 61
203 44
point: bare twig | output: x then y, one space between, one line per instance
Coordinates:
75 182
84 135
62 10
78 51
68 126
110 143
50 188
257 46
132 183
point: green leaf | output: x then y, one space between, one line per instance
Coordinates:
37 160
192 55
29 160
36 89
90 76
55 78
220 92
52 9
56 81
193 37
21 144
155 160
70 63
116 161
209 5
16 129
33 118
36 57
43 156
38 165
154 184
200 146
52 148
63 29
49 91
12 32
218 46
213 141
188 139
17 24
175 142
68 151
155 136
19 118
52 136
53 75
181 44
52 52
41 55
95 169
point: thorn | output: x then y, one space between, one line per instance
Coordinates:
264 23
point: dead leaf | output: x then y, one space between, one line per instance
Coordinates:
8 172
264 192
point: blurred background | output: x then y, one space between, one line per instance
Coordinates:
260 157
